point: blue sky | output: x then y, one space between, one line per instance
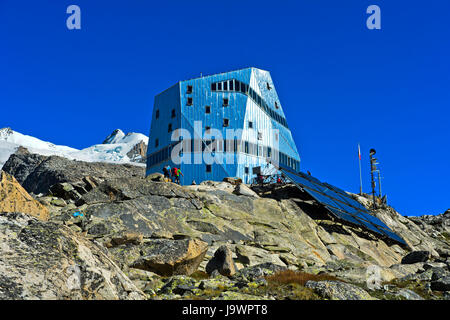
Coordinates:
339 83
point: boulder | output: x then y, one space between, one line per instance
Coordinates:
124 238
14 198
65 191
48 261
442 284
438 273
336 290
222 262
233 181
243 190
250 256
171 257
409 294
58 203
156 177
416 256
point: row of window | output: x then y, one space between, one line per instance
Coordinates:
238 86
233 146
173 114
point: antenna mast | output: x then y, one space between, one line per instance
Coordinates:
373 169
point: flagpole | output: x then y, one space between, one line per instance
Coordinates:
360 174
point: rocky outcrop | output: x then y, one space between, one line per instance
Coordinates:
38 173
138 152
171 257
158 233
336 290
437 226
44 260
14 198
222 262
416 256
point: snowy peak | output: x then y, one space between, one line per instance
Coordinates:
118 147
117 137
5 133
11 141
114 137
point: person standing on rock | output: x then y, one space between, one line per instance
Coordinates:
166 173
173 174
177 175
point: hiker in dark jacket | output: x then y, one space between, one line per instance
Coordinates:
166 173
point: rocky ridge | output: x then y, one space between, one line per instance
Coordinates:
219 240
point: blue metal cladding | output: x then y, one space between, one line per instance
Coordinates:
195 100
340 204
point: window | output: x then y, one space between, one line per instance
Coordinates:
250 124
169 128
226 122
259 135
189 101
219 86
189 89
157 114
156 143
207 128
173 113
213 87
208 168
268 86
208 109
225 102
246 170
231 85
237 85
276 105
225 86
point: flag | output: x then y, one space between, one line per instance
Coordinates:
359 153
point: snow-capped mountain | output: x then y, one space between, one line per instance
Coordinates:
117 147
